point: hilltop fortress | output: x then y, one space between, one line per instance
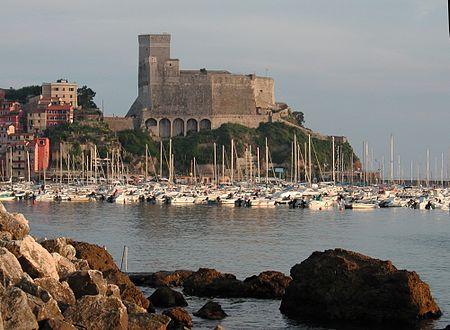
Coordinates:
173 102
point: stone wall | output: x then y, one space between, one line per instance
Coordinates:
232 95
117 124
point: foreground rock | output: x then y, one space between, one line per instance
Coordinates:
15 310
339 285
99 259
162 278
14 224
180 318
34 259
267 285
97 313
10 269
211 311
211 283
60 291
167 297
87 282
148 322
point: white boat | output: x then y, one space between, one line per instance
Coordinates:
7 196
183 200
321 204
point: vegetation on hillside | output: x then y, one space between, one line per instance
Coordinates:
279 137
200 145
22 94
85 98
134 141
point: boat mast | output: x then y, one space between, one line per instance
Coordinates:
258 164
232 162
223 164
392 160
309 157
295 159
160 159
146 161
267 163
334 173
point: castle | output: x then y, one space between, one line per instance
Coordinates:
173 102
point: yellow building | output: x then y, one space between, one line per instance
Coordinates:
61 89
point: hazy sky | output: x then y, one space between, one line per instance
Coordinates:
359 68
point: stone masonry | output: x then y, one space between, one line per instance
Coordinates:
173 102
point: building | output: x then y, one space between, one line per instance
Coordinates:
24 156
174 102
61 89
11 113
41 154
48 112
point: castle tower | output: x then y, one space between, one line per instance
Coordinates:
154 51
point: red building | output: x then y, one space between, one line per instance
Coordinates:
11 113
41 154
48 112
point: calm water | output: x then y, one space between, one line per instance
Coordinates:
248 241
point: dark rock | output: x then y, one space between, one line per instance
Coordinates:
10 269
87 282
180 318
113 290
55 325
98 313
15 224
133 308
34 259
64 266
27 285
267 285
80 264
43 310
344 286
60 246
148 322
211 311
161 278
99 259
211 283
16 312
60 291
5 236
167 297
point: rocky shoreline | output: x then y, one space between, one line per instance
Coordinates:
66 284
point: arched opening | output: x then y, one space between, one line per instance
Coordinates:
191 126
150 123
164 128
205 125
178 127
152 126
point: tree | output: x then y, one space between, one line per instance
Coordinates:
22 94
299 117
85 97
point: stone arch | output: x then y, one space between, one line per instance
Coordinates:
205 125
178 127
164 128
191 126
150 123
152 126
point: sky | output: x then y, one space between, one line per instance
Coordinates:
362 69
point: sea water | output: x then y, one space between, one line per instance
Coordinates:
247 241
